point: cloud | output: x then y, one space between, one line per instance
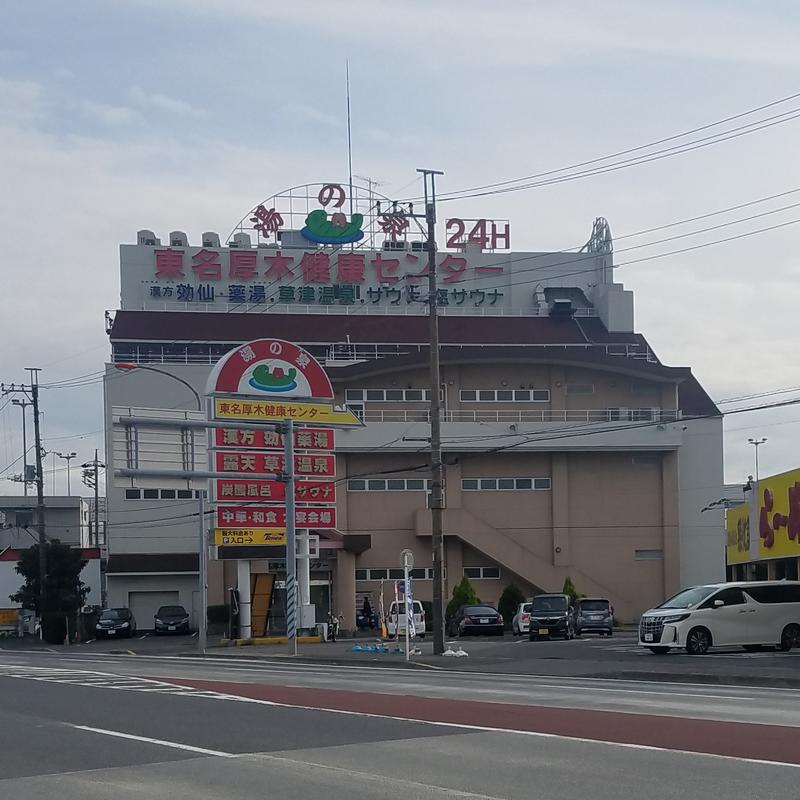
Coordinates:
109 115
162 102
314 115
22 101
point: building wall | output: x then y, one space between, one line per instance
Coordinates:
186 585
65 519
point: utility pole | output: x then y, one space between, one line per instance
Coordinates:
39 489
437 540
91 477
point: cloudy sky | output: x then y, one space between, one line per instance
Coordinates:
183 114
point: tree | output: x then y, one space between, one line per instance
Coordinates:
509 601
463 595
64 591
569 589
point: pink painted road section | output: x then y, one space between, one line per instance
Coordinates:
737 739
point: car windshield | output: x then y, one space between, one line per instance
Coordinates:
526 607
115 614
549 603
689 598
479 610
594 605
171 611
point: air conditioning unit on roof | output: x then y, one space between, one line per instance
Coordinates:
390 245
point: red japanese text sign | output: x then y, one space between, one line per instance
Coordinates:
270 368
304 438
232 489
274 517
260 463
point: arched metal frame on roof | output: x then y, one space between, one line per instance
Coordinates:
600 241
296 203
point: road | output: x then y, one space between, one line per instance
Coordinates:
93 725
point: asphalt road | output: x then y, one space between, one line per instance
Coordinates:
90 725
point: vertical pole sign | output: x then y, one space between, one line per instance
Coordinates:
408 565
278 445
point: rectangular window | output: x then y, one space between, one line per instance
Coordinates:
522 395
469 395
167 494
354 394
396 485
489 483
505 483
505 395
133 494
540 395
361 575
469 484
184 494
486 395
150 494
396 574
414 395
377 574
419 574
648 555
490 572
415 485
200 493
472 572
541 483
375 394
356 486
523 483
376 485
580 388
395 395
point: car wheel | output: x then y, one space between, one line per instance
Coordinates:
659 651
698 641
790 638
514 630
531 637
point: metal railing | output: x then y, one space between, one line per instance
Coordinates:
544 416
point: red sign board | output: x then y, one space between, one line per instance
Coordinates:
274 517
304 438
233 489
257 462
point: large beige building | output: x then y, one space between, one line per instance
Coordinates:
571 450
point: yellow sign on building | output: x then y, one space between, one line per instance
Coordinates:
243 537
279 410
778 517
737 529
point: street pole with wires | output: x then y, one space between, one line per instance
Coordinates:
437 539
40 516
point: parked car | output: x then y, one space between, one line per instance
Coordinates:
593 615
481 620
551 616
171 619
396 621
521 621
750 615
116 622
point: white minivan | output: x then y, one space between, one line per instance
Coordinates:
397 619
744 614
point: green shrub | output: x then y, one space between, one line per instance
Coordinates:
570 590
463 595
509 601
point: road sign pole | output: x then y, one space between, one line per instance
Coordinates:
202 628
291 544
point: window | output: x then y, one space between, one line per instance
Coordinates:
361 575
150 494
184 494
396 574
356 486
416 484
504 484
774 594
378 574
505 395
390 485
729 597
395 485
376 485
648 555
198 493
133 494
394 395
387 395
415 395
354 394
419 573
482 573
167 494
376 394
580 388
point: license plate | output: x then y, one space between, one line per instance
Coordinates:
111 633
544 631
170 627
484 622
648 637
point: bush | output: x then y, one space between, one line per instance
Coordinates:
570 590
463 595
54 628
509 601
218 614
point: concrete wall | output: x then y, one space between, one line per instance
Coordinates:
186 585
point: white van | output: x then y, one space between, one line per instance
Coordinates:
749 615
397 619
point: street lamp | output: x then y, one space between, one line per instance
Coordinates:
23 404
125 366
202 633
67 457
756 444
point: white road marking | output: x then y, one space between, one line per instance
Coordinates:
162 742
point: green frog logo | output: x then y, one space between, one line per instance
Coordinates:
337 229
275 380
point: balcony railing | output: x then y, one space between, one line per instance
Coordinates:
544 416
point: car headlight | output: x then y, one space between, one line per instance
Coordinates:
675 618
124 625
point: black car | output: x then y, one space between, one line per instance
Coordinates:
551 616
593 615
171 619
116 623
481 620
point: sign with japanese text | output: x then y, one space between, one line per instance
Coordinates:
778 515
232 489
257 462
274 517
737 531
319 413
247 536
304 438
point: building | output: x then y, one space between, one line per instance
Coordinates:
65 519
763 529
570 449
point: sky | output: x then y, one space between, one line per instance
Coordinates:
184 114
